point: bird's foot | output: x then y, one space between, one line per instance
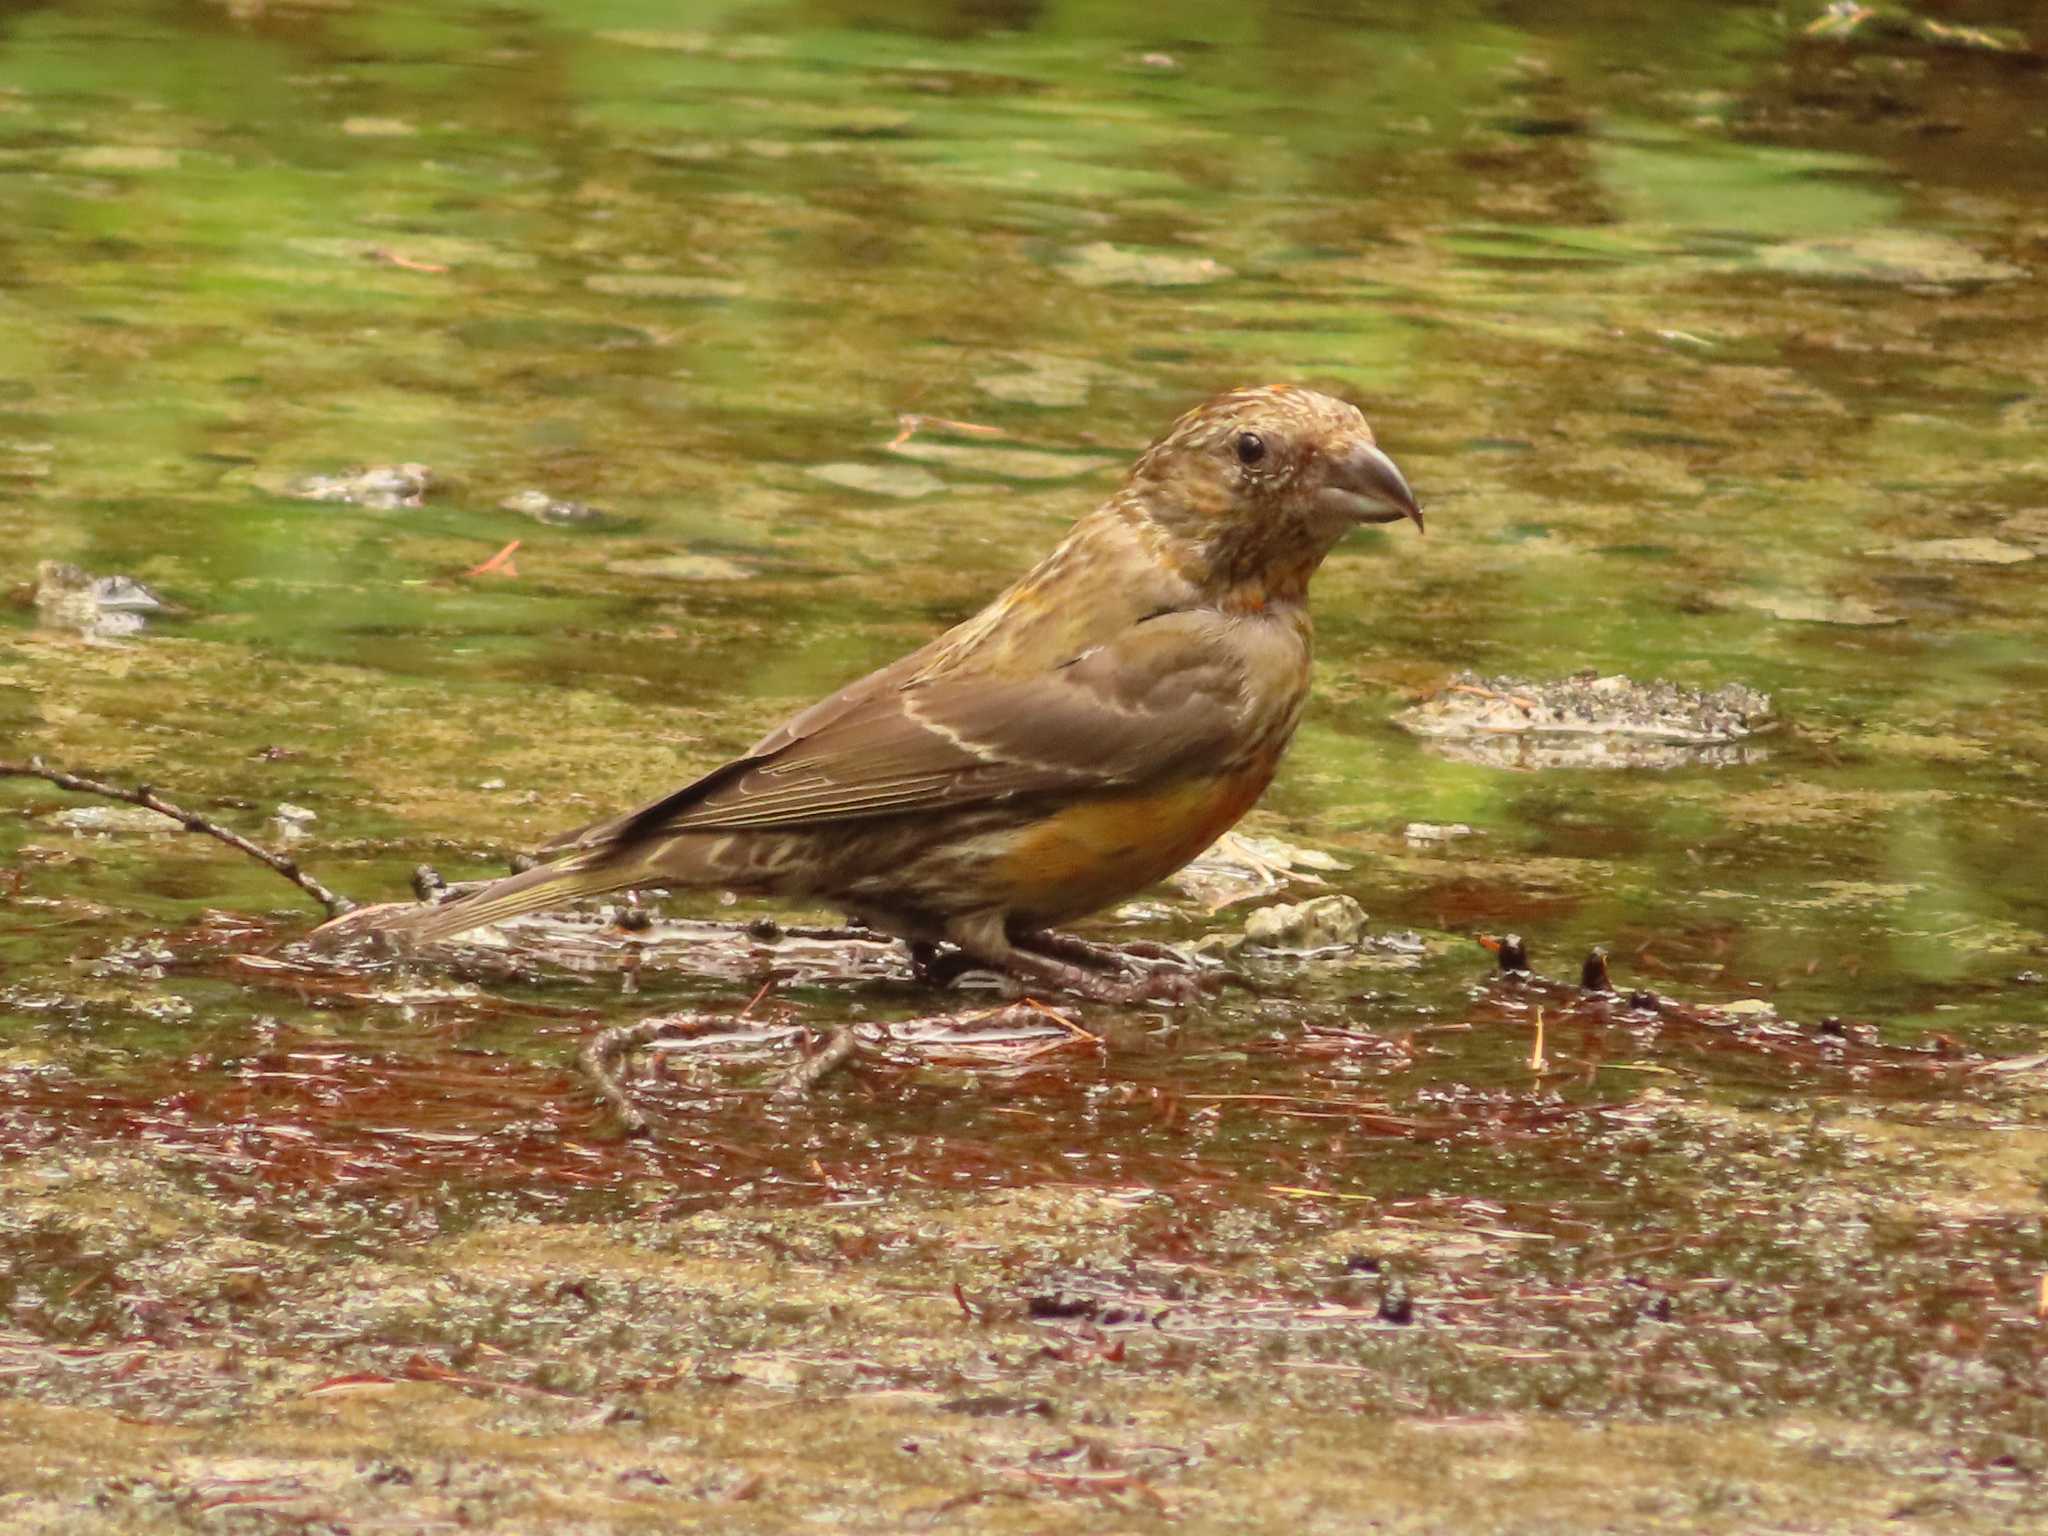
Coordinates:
1163 985
1041 961
1135 973
1106 959
1143 970
1012 980
1029 973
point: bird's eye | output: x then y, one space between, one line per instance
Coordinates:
1250 448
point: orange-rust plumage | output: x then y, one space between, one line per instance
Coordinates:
1090 731
1082 856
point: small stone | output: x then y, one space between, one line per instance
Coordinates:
1288 857
2028 526
1968 551
1586 720
382 486
543 508
291 821
1044 380
1802 608
378 128
904 481
1237 866
1216 946
119 157
682 568
112 818
1325 922
1905 258
97 607
1396 1305
1101 265
1426 832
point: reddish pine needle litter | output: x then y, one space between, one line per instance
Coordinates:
499 564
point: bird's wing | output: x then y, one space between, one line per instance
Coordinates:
815 717
1158 695
833 706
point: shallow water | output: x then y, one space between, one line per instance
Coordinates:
1716 350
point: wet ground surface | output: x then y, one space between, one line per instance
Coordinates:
1660 1266
1715 347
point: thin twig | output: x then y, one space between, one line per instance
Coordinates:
909 422
836 1052
143 796
603 1051
1073 1030
403 261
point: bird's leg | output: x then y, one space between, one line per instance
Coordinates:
984 938
931 966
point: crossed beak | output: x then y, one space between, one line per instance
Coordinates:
1367 486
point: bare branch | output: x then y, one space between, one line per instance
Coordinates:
836 1052
143 796
604 1052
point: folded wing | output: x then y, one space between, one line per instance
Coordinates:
1160 695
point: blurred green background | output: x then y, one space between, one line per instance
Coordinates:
1713 342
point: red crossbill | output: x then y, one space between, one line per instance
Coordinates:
1086 734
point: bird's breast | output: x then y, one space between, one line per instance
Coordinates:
1083 856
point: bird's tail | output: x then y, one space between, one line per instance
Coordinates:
589 873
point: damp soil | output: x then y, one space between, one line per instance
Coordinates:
506 414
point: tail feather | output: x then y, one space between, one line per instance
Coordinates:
548 885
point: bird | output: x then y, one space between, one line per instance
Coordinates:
1095 727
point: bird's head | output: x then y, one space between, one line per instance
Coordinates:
1253 488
